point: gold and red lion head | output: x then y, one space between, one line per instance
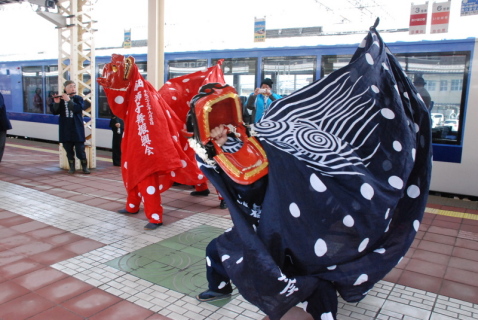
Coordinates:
116 74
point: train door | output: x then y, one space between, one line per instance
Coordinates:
32 78
51 85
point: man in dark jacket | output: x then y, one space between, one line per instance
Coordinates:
117 126
4 125
70 107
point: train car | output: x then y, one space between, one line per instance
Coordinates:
447 68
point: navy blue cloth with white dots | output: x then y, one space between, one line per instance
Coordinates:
349 172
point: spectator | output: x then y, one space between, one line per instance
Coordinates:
70 107
420 83
4 126
261 99
117 126
38 101
49 99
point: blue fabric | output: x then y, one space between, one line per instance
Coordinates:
349 172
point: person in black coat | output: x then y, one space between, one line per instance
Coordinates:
4 126
69 106
420 83
117 126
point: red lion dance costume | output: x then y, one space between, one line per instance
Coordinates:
155 154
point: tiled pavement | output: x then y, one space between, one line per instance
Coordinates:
66 254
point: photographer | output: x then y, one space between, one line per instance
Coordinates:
261 99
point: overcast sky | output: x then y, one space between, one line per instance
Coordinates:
211 24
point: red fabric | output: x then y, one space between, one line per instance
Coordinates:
177 92
149 190
201 187
152 143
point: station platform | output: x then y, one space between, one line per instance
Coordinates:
66 254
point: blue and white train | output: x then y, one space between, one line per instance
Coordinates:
449 68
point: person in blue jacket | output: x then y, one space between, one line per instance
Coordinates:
69 106
4 126
261 99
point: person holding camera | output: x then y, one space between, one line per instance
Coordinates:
261 99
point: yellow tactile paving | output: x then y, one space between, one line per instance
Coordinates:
450 213
49 151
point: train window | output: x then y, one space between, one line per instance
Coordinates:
33 93
331 63
289 73
239 73
103 108
143 68
179 68
86 91
443 75
51 85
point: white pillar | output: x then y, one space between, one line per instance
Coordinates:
156 42
76 57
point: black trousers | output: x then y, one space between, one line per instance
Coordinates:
217 277
3 139
116 148
72 147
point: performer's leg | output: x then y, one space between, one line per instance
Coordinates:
323 303
218 281
201 190
149 189
216 274
132 201
222 204
296 313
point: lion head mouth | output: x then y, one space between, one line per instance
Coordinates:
116 74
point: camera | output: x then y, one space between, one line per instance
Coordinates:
262 90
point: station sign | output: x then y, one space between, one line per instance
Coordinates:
259 29
127 39
440 17
418 18
469 7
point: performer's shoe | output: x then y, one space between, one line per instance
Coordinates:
152 226
223 204
126 211
211 296
203 193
